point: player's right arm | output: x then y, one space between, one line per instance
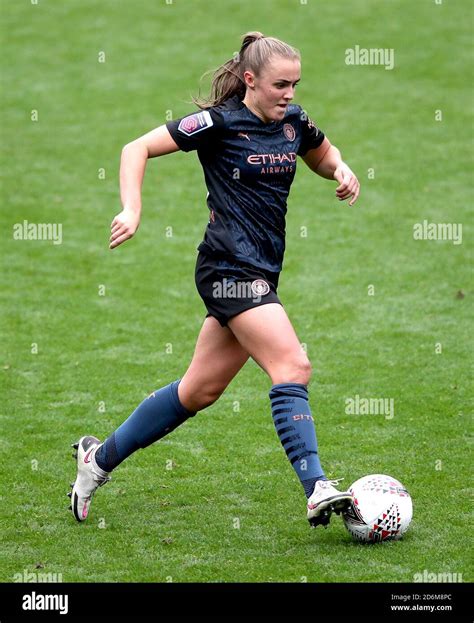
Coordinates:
133 162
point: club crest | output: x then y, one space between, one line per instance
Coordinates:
289 131
260 287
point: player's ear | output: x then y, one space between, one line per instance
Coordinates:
249 79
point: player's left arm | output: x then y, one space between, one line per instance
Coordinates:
327 162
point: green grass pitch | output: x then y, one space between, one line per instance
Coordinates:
87 333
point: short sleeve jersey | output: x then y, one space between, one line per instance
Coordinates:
248 167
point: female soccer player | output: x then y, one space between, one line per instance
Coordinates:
247 136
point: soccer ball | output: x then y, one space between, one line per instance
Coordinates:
381 509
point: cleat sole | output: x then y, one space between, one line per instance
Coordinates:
321 520
341 507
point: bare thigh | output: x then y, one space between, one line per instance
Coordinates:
217 358
267 334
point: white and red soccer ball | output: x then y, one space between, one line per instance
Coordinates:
381 510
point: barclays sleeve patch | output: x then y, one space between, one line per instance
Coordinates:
195 123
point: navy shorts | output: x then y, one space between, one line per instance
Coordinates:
228 287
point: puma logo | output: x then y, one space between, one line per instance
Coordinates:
243 135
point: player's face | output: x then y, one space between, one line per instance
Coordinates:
270 93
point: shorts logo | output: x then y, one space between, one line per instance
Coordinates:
195 123
260 287
289 132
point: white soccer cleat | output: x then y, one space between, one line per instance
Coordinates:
89 477
325 500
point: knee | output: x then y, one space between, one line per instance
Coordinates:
296 369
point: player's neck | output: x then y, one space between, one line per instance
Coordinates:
253 109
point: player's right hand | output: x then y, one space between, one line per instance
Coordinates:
123 227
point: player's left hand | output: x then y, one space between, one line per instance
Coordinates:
348 184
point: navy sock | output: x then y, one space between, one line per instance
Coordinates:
295 427
154 418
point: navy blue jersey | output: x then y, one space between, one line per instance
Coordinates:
248 166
